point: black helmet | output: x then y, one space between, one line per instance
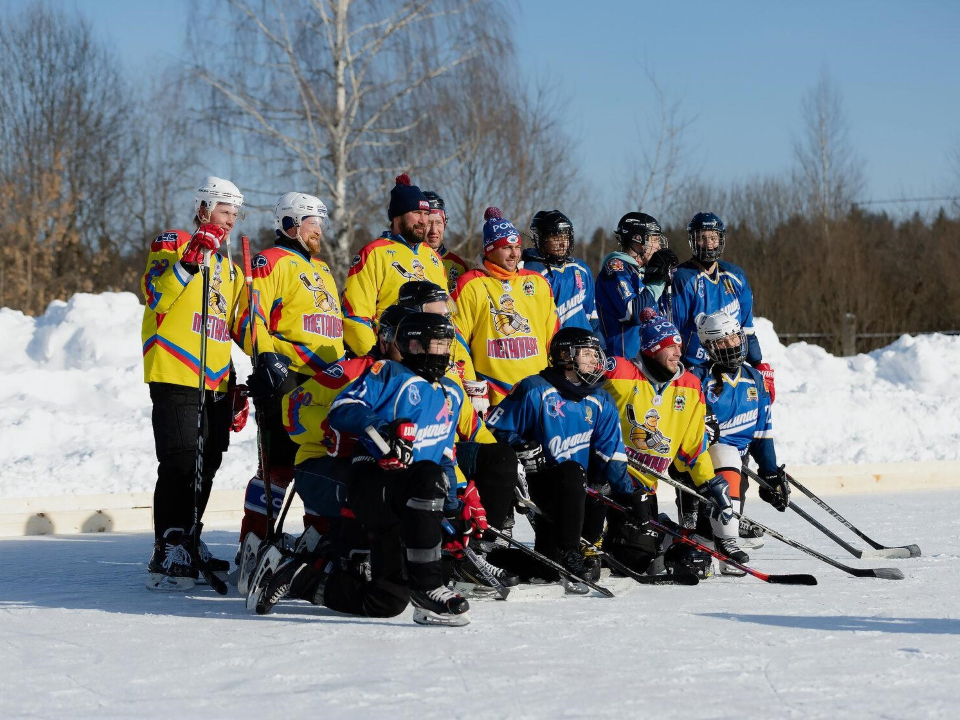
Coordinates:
417 293
436 202
413 340
565 347
635 227
705 221
547 224
390 320
683 558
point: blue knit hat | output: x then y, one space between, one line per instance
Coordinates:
657 333
497 231
406 198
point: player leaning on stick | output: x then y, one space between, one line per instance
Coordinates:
171 335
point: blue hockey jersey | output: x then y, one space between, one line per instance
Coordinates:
697 292
388 390
621 296
573 290
586 431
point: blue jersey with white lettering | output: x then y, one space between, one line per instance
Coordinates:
572 285
585 431
743 409
389 390
621 297
696 292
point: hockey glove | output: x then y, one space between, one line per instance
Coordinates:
269 378
477 392
660 266
711 428
767 372
204 241
531 456
719 491
399 435
777 491
239 407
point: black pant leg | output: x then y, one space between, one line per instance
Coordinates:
494 471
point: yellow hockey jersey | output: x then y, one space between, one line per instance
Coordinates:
297 309
454 266
662 425
374 280
171 319
504 322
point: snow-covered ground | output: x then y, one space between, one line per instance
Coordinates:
75 414
82 639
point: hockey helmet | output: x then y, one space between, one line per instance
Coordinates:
415 336
215 190
713 331
705 222
635 228
547 224
683 558
566 348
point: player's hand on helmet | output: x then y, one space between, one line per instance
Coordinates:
205 240
479 398
532 456
239 407
399 435
768 378
660 266
777 492
270 378
718 490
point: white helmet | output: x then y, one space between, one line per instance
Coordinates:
293 207
215 190
715 327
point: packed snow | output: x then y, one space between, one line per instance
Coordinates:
75 413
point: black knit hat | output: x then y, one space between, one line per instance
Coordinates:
406 198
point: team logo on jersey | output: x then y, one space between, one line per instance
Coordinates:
377 367
647 436
588 414
356 260
507 287
334 371
578 279
680 403
324 301
433 259
554 405
259 261
417 271
216 300
506 318
728 286
414 395
614 266
528 287
700 287
610 364
752 393
453 274
446 412
625 292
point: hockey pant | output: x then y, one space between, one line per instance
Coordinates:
630 540
493 468
174 420
322 485
400 513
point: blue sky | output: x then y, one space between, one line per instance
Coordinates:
738 68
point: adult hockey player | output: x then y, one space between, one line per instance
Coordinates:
631 279
566 431
662 411
397 496
505 314
706 284
384 264
171 335
741 407
453 265
570 279
299 333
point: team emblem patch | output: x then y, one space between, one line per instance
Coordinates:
334 371
356 260
433 259
588 414
752 393
610 365
376 367
615 265
259 261
528 287
554 406
680 403
413 395
507 287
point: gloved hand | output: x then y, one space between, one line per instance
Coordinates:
767 372
660 266
205 240
522 489
269 377
712 428
239 406
532 456
718 490
399 435
778 493
477 392
643 506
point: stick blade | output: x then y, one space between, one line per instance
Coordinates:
892 553
914 550
794 579
887 573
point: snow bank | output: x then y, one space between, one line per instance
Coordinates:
75 413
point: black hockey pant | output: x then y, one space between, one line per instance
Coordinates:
493 468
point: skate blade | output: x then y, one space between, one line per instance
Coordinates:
751 543
248 559
267 564
474 591
165 583
730 570
428 617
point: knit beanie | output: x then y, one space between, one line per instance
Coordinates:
406 198
497 231
656 333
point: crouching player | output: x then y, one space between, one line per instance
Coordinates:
566 431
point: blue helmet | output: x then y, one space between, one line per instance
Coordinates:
705 221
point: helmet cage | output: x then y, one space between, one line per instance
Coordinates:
703 222
549 224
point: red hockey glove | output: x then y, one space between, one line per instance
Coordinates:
477 392
399 435
206 239
473 513
767 372
239 406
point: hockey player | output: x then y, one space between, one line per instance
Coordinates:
453 264
655 387
570 279
632 279
171 336
706 284
398 495
740 405
299 333
566 431
383 265
505 315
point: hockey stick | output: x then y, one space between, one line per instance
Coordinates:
218 585
883 573
614 564
855 551
676 534
904 551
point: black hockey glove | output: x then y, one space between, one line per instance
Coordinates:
643 506
777 489
721 508
660 266
712 428
270 377
531 456
399 435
